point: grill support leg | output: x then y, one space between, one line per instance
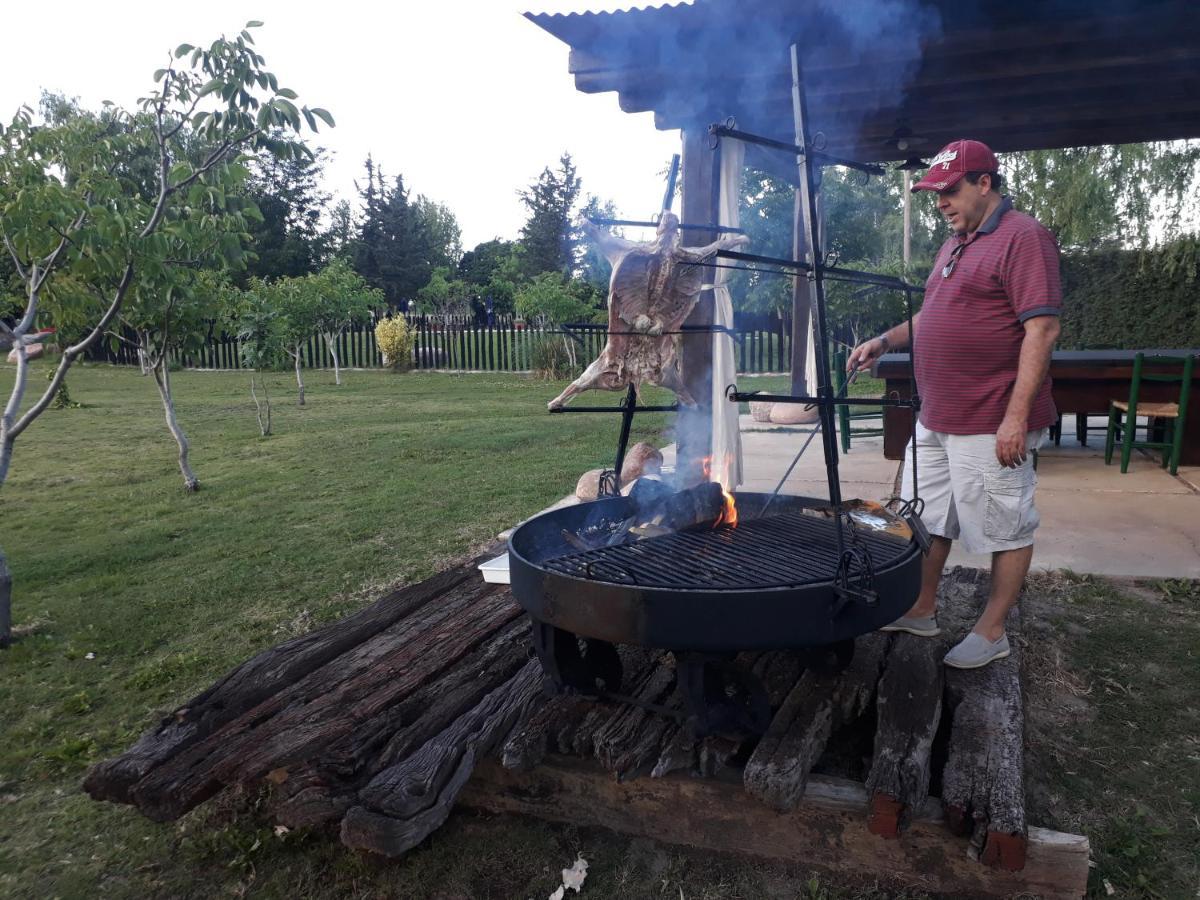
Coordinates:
570 668
720 696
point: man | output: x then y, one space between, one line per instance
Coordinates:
983 342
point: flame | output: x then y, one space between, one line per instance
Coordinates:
729 516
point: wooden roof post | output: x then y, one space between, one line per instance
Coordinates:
701 196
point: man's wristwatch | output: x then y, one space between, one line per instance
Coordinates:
886 343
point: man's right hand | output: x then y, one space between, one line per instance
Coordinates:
862 356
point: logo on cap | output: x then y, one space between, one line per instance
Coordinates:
944 159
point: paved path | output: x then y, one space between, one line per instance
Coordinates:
1094 519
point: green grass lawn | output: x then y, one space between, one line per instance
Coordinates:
131 596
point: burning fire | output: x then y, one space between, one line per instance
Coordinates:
729 515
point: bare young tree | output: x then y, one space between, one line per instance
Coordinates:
75 197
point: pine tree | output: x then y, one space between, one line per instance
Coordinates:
393 252
549 240
288 241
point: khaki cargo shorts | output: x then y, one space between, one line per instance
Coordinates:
969 495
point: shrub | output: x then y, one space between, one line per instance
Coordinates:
395 341
551 358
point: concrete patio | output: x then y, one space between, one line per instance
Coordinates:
1094 519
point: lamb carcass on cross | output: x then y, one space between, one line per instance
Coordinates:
654 287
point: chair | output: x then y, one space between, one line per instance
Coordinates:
845 417
1173 415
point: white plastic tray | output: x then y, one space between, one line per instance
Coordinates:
495 570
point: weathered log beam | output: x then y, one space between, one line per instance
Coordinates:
529 743
297 723
983 790
578 736
629 738
817 705
825 831
261 677
407 802
323 788
908 710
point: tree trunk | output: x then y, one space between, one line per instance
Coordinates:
141 354
331 340
5 603
9 416
264 422
162 378
299 378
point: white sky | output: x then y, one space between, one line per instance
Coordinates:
466 98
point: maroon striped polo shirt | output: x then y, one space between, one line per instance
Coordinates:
969 336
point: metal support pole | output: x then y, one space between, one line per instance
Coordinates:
628 408
816 287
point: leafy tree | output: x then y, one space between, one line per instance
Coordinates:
443 297
441 230
341 237
1128 194
552 299
261 343
548 236
493 269
172 314
345 299
66 204
289 239
297 302
477 265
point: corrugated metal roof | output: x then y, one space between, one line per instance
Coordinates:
579 29
1020 74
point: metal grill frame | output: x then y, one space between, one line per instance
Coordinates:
699 618
779 551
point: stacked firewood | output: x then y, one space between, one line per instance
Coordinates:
377 722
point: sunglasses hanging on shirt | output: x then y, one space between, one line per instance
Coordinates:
948 268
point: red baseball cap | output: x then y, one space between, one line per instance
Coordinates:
954 161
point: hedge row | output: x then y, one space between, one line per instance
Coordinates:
1130 298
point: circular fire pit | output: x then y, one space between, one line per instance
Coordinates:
768 583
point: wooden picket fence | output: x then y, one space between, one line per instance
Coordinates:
466 344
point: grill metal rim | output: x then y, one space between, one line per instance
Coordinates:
750 556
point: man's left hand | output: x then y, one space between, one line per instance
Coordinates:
1010 442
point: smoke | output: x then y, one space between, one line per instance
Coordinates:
720 58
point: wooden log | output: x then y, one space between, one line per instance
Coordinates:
260 678
630 738
778 670
983 791
908 709
715 752
323 789
577 736
825 831
298 723
407 802
678 752
530 742
817 705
